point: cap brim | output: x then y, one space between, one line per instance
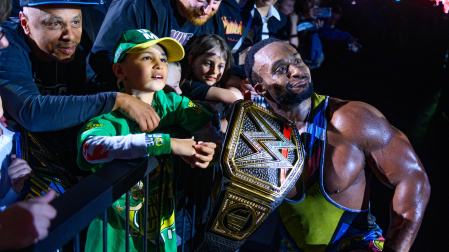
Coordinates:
174 49
64 2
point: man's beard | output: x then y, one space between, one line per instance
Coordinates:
191 15
293 98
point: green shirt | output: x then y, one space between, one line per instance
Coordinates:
173 110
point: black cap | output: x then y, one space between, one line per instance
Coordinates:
44 2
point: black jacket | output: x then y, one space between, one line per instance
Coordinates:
159 16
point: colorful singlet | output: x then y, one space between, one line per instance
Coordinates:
315 222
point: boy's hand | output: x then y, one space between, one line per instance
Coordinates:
18 172
3 121
138 110
204 154
183 147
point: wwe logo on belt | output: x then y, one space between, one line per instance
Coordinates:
264 149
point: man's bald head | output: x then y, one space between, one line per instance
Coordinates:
53 30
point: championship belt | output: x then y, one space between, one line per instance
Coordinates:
261 160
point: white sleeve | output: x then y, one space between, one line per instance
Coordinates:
100 149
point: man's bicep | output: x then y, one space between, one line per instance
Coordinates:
395 160
387 150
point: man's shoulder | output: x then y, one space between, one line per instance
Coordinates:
349 108
144 8
357 121
15 61
15 37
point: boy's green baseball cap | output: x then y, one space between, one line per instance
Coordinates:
134 41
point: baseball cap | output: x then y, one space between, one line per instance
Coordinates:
44 2
134 41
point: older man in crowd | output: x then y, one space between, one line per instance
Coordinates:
43 83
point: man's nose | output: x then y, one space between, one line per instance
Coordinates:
207 7
68 34
297 71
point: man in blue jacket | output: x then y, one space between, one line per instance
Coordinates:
43 81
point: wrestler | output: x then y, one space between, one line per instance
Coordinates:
346 143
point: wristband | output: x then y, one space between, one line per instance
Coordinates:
261 160
158 144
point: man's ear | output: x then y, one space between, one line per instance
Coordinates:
119 71
260 89
24 23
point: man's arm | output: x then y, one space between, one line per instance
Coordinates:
393 160
36 112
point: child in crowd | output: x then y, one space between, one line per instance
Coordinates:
273 22
13 171
285 6
173 78
209 60
140 62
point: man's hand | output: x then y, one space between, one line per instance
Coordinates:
18 172
204 154
138 110
24 223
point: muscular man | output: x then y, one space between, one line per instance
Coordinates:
178 19
346 143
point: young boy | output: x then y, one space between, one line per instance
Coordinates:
140 62
174 77
13 171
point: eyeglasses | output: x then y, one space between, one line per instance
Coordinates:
2 33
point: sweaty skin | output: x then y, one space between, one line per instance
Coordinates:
357 134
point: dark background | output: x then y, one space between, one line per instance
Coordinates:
401 71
